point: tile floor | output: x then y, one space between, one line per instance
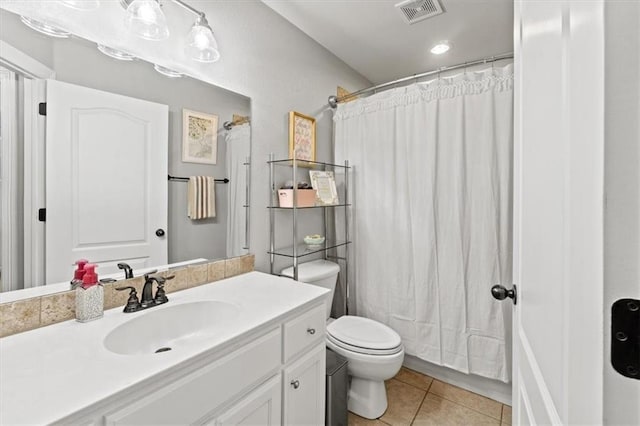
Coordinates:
416 399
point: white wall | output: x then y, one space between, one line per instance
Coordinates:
622 192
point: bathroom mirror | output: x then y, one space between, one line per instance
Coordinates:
78 62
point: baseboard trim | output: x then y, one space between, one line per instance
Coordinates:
493 389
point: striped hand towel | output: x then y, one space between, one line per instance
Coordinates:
201 198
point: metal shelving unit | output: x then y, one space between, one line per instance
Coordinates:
297 249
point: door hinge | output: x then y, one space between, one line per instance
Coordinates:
42 215
42 108
625 337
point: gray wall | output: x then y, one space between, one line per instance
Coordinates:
282 69
622 192
79 62
270 60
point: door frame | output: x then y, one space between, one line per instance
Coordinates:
34 73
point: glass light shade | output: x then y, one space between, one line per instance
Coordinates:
167 72
201 44
115 53
44 28
146 20
82 4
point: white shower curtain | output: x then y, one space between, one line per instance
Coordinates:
432 214
238 141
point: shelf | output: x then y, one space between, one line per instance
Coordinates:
309 207
306 164
305 250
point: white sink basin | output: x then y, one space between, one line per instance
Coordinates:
170 327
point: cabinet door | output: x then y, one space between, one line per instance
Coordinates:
304 389
195 395
261 407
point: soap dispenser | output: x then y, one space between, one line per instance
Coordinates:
89 296
78 273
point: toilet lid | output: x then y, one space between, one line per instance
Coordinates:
363 333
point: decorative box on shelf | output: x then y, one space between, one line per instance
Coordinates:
306 198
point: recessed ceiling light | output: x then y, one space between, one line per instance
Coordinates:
44 28
115 53
441 47
167 72
82 4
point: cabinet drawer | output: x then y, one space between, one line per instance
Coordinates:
304 331
187 400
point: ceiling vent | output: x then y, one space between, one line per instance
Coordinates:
416 10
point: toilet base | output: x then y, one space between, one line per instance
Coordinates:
367 398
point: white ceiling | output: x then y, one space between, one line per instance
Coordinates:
373 38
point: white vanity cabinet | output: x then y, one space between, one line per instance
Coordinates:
237 372
273 377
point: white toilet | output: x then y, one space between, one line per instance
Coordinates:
373 350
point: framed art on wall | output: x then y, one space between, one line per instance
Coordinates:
325 185
199 137
302 136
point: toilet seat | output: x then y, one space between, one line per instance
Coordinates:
364 336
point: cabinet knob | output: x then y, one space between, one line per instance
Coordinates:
295 384
311 330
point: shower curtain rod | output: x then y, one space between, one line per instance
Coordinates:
334 100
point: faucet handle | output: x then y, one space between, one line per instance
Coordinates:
161 295
133 303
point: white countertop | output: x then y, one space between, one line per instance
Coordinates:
51 372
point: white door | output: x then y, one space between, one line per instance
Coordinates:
558 212
106 174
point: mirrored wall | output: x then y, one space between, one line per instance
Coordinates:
78 62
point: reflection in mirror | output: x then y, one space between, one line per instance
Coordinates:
102 173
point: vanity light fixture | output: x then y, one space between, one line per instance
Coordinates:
44 28
441 47
146 19
82 4
167 72
115 53
201 44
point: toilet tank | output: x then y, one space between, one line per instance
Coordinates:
318 272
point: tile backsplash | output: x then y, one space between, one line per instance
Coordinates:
27 314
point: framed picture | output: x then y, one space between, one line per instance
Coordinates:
302 137
199 137
325 185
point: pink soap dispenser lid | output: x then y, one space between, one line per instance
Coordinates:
79 272
90 277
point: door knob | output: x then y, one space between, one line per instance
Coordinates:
500 292
160 232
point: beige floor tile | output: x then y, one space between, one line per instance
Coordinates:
404 401
355 420
440 412
471 400
414 378
506 414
